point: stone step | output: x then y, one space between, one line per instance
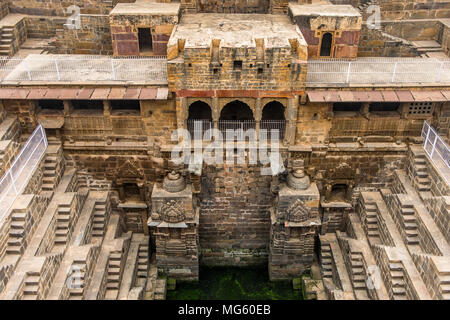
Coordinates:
370 207
16 233
19 216
113 270
61 232
63 218
398 282
359 285
98 226
399 291
97 233
115 256
13 250
100 207
33 289
49 173
408 211
395 266
142 274
64 210
61 225
60 240
397 274
113 285
445 288
114 278
359 278
420 161
372 220
50 166
48 180
32 280
373 233
15 242
423 188
411 232
446 296
143 261
47 187
17 224
358 270
412 240
99 220
76 291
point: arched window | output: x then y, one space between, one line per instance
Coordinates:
199 110
327 42
238 117
273 119
236 110
199 119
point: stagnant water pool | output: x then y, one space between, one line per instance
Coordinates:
234 283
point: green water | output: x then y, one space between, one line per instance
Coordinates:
234 283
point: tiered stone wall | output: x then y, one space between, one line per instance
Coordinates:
59 8
234 216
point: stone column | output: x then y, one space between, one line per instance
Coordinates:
294 222
258 116
174 225
291 121
215 112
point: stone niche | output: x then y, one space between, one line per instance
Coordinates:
142 28
174 228
294 221
331 31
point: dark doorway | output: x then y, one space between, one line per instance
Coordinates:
327 42
384 107
131 192
236 110
145 40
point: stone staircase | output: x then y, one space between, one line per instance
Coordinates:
14 244
421 180
371 221
31 286
62 224
6 40
358 275
445 285
410 224
114 274
77 281
397 280
99 219
326 261
49 180
142 265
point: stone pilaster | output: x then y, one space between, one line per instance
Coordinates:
174 226
294 221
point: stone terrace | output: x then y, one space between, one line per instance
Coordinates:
396 245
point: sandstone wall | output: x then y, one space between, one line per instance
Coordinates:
234 217
59 8
194 70
93 37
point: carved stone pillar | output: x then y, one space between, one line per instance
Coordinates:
174 225
294 220
258 116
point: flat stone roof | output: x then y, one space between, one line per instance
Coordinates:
325 10
236 30
146 8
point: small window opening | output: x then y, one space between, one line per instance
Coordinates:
125 106
145 40
384 107
56 105
92 106
260 70
327 41
237 65
347 107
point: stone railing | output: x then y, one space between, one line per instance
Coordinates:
18 175
378 71
82 68
437 150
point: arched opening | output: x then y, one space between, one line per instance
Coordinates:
273 119
236 116
236 111
327 43
199 119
